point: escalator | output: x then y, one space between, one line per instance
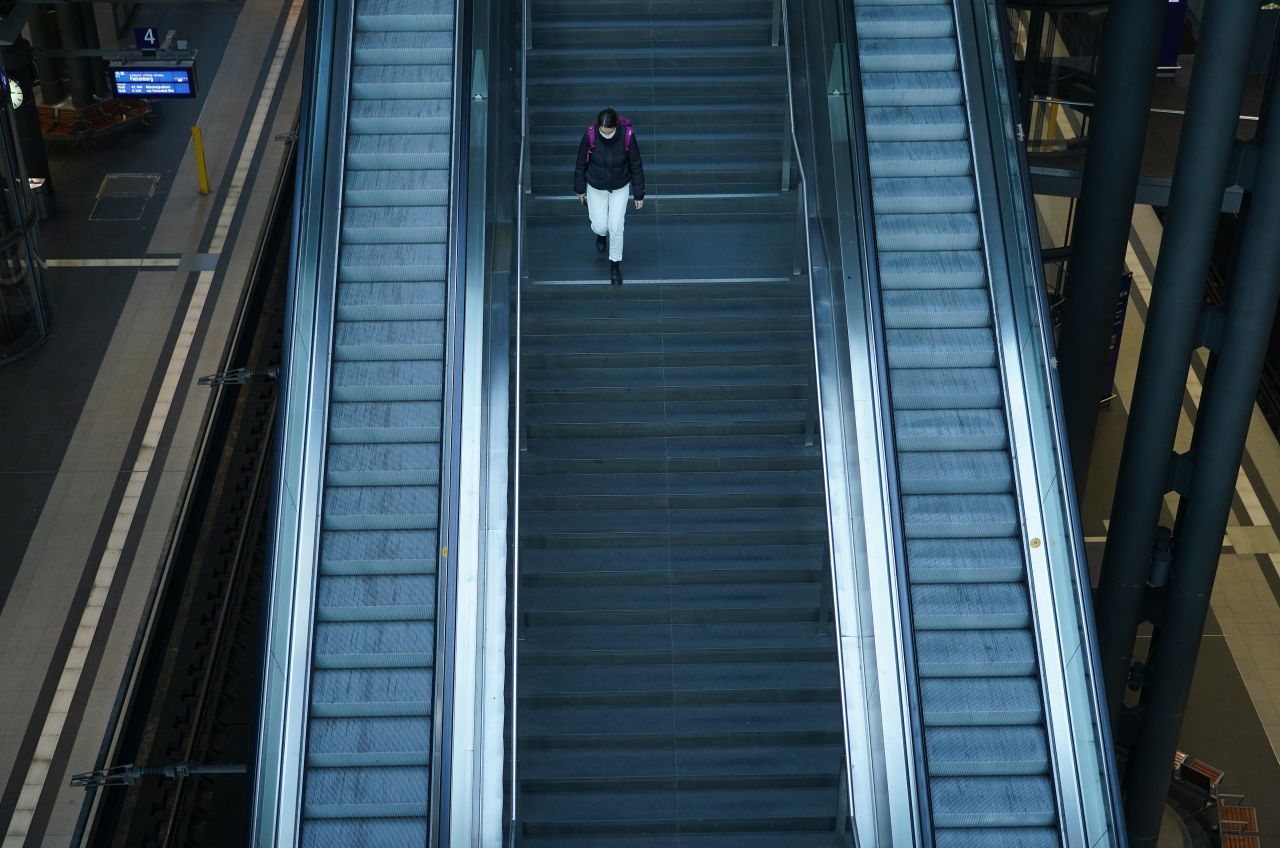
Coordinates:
676 678
986 748
993 771
368 730
347 758
697 654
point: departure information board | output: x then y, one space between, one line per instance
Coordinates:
154 81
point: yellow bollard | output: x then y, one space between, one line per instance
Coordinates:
1053 121
201 171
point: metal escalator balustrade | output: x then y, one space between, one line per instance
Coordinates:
993 774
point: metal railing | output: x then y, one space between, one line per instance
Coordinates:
302 418
1057 575
889 484
829 599
451 435
524 183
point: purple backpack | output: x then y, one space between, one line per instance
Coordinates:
627 132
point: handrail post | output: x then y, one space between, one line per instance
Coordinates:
826 601
842 803
811 410
786 153
798 254
777 22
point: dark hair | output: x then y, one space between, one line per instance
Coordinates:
607 118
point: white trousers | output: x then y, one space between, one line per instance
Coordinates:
608 210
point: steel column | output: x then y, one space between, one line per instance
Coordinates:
1200 175
79 71
1202 515
43 28
1031 64
1117 134
89 27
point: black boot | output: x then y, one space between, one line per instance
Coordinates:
602 244
615 273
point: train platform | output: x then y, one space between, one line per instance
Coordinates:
103 423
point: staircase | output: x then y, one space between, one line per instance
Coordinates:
677 686
988 765
370 719
677 679
703 82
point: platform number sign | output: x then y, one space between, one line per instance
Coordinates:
146 38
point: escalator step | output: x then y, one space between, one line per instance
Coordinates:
392 644
379 793
945 388
916 123
907 54
993 653
373 178
959 516
904 21
396 301
986 751
383 464
950 430
396 741
928 309
997 837
331 833
403 48
415 380
981 702
398 116
354 693
895 195
965 560
378 552
952 473
928 232
381 422
375 341
969 606
377 598
375 263
381 508
933 270
1023 801
405 82
942 349
912 88
923 159
402 15
396 225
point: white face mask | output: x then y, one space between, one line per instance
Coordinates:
608 133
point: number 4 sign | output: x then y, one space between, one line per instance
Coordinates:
146 38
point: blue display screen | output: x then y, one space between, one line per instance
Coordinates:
154 82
